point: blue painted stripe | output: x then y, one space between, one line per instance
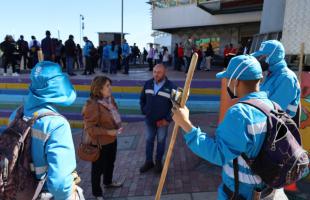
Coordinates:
211 83
5 98
115 94
194 106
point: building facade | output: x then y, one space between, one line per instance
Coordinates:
220 22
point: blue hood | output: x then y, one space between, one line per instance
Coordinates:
49 86
274 51
243 67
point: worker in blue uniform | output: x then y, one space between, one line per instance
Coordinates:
52 146
281 83
242 130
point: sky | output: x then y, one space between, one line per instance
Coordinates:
34 17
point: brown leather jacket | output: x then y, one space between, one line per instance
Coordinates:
97 120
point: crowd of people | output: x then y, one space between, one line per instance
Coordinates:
242 131
183 51
108 57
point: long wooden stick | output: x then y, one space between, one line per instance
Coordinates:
184 98
40 55
301 61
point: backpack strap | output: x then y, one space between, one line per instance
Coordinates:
39 188
260 105
19 114
36 117
264 108
236 179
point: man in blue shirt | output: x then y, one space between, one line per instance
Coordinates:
243 130
281 84
155 104
105 57
86 52
125 56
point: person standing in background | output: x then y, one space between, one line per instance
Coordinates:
86 52
23 50
188 51
150 57
70 55
113 56
165 56
125 56
48 47
209 54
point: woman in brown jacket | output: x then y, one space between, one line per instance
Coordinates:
102 123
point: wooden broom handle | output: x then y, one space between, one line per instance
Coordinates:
40 55
184 98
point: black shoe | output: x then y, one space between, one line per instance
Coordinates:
84 73
72 74
125 73
158 167
146 166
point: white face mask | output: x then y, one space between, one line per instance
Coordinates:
234 95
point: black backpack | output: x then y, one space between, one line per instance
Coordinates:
281 160
17 180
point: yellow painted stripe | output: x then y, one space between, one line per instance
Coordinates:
205 91
73 123
13 86
118 89
4 121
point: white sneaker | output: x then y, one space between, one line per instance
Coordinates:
4 74
99 198
15 74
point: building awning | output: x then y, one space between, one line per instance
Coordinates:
215 7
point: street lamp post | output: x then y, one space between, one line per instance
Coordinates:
81 19
122 32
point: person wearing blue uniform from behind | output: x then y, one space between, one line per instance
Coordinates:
281 84
242 130
125 56
113 55
52 146
86 53
105 57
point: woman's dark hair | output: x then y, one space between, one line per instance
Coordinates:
96 86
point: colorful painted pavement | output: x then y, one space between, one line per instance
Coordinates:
305 114
189 177
126 90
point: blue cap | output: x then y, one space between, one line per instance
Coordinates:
243 67
273 49
49 86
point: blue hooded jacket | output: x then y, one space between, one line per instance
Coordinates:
87 48
113 54
125 49
281 84
52 145
242 130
